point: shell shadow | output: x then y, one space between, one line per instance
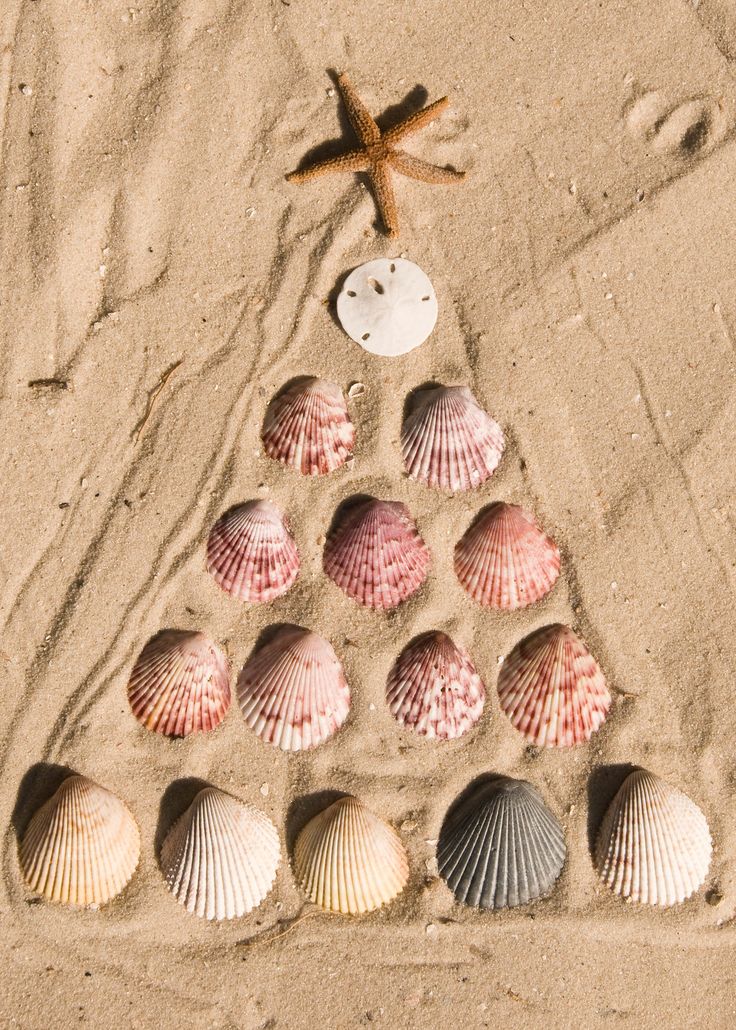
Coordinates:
288 385
39 783
414 396
175 800
346 508
304 808
603 784
466 794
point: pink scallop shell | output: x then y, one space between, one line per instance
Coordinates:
552 688
449 441
505 560
308 428
375 555
251 553
180 684
433 688
292 691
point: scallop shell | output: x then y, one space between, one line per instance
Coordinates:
251 553
504 560
375 554
292 691
82 846
348 860
552 688
500 846
308 428
220 857
180 684
654 845
449 442
434 689
388 306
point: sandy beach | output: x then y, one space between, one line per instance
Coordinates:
160 281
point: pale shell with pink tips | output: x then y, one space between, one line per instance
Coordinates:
308 428
251 553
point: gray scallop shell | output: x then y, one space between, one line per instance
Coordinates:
501 846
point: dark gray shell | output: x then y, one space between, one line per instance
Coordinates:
501 846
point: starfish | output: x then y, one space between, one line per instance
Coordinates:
378 155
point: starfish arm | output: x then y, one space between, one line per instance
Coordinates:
353 161
384 193
415 168
360 119
415 121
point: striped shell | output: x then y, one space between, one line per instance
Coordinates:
501 846
375 554
449 442
654 845
220 857
251 553
348 860
180 684
504 560
82 846
552 688
308 428
433 688
292 691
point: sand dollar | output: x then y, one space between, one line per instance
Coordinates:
388 306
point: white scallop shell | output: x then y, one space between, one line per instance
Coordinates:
388 306
220 857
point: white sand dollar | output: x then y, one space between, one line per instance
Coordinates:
388 306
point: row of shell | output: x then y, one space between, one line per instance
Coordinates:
500 846
447 440
375 554
293 692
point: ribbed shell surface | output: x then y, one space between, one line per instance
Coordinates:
449 442
292 691
308 428
502 847
654 845
220 858
434 689
348 860
251 554
82 846
552 689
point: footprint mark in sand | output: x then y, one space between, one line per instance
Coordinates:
682 130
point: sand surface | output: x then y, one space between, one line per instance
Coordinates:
585 274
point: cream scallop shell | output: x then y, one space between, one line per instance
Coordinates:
220 858
251 553
308 428
654 844
180 684
82 846
292 691
348 860
433 688
449 442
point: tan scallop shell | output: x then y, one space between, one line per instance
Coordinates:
348 860
220 857
82 846
654 844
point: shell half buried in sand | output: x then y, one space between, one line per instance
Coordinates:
505 560
220 858
552 688
500 846
251 554
433 688
348 860
654 844
375 554
82 846
388 306
308 428
449 442
180 684
292 690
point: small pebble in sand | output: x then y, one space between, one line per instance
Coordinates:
264 789
714 897
25 89
408 825
356 390
431 930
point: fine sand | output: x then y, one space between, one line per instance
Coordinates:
585 274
